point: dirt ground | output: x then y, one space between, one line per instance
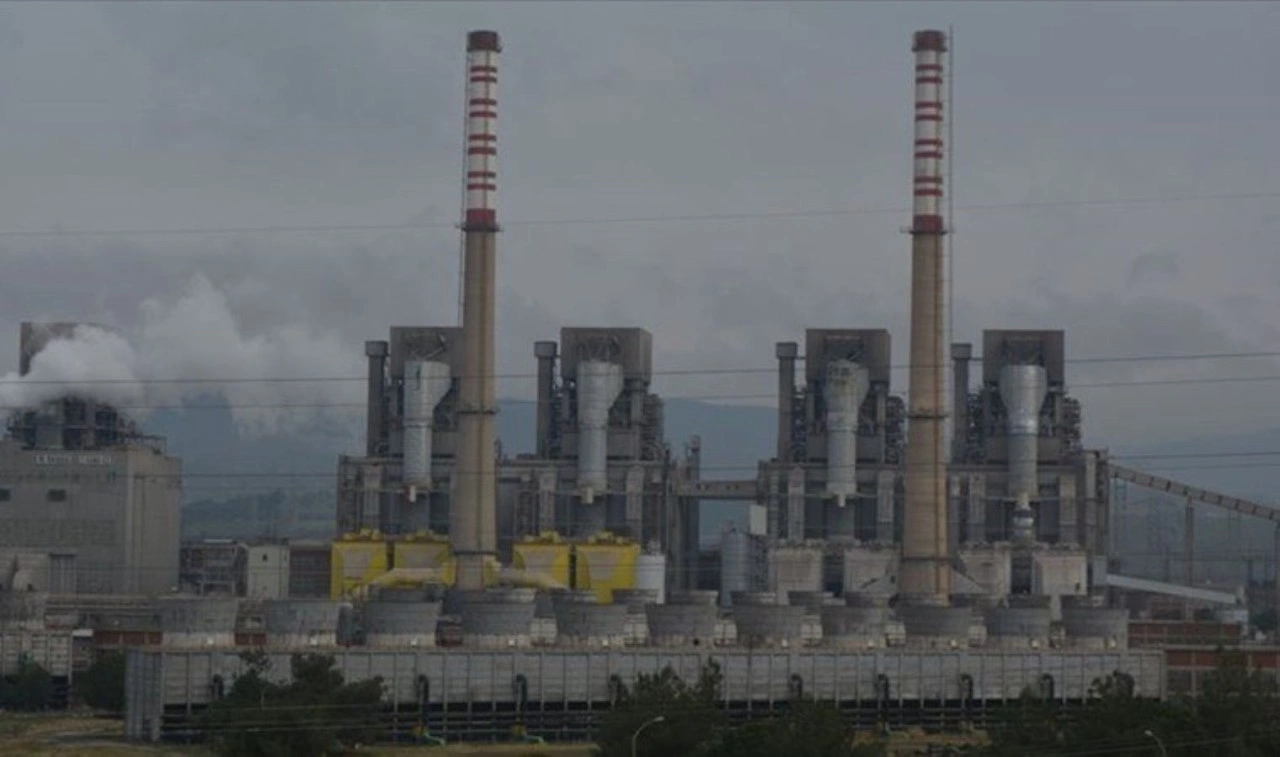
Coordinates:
83 736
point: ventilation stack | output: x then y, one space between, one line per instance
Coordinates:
375 412
473 516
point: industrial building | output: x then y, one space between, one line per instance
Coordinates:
90 503
910 578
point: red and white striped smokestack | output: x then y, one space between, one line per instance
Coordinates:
480 211
473 514
925 576
929 47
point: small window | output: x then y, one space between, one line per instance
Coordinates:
57 495
5 496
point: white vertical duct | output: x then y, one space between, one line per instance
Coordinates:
1022 389
846 387
426 382
599 384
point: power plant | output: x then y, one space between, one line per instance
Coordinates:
888 567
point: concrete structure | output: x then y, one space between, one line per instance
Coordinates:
472 521
187 622
400 621
82 488
581 621
926 570
687 619
301 623
496 618
166 691
267 571
762 622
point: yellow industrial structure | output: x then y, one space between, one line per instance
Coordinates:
367 559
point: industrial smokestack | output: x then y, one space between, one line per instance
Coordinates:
545 352
473 530
926 571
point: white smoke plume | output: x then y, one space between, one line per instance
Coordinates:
92 362
192 349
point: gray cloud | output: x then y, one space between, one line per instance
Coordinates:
199 115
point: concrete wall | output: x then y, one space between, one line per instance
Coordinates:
117 510
157 679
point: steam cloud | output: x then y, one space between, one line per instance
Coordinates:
192 349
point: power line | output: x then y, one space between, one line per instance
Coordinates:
582 221
656 372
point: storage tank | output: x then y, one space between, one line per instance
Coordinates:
198 621
295 623
651 574
687 619
496 618
735 564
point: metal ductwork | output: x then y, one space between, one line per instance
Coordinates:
846 387
426 382
599 384
1022 390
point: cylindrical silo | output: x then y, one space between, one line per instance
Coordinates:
301 622
599 384
497 618
846 387
198 621
426 382
651 574
1022 390
735 564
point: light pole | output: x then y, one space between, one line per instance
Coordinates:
635 736
1156 738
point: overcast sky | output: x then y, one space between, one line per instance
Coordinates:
228 115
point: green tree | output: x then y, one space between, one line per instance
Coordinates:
1235 714
312 715
691 715
1264 621
28 690
806 729
102 685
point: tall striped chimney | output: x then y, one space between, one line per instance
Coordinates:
926 570
473 516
